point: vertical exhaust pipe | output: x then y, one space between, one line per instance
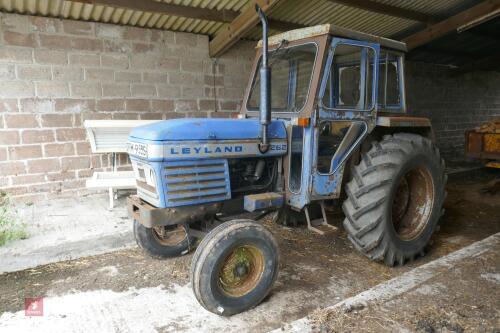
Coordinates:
265 85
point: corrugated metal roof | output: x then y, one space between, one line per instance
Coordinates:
453 49
314 12
306 13
107 14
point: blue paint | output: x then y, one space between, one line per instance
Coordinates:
192 129
315 186
301 198
326 185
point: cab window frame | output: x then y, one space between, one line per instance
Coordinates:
400 61
327 75
332 169
284 111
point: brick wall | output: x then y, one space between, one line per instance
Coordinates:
55 74
454 103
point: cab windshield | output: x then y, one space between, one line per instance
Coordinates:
291 74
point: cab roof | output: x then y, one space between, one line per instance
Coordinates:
336 31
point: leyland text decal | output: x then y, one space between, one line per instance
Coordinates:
205 150
216 150
195 150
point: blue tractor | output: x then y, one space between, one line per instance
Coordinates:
329 124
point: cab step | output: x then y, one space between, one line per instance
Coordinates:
322 222
261 201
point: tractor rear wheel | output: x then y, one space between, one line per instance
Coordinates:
234 267
395 198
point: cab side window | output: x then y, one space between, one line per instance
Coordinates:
350 82
389 86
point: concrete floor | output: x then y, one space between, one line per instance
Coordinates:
125 291
63 229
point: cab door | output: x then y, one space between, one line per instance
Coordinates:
347 106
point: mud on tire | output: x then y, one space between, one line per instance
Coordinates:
395 198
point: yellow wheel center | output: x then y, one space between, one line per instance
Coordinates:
241 270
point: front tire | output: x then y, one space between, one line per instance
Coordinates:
395 198
163 242
234 267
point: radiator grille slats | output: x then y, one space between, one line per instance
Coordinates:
196 182
194 170
173 188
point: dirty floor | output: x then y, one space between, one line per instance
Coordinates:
126 291
462 297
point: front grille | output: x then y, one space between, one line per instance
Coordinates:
195 182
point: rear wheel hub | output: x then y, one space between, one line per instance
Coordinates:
412 203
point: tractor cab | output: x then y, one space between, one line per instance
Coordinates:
328 84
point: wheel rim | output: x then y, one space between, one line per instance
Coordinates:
169 235
241 270
412 203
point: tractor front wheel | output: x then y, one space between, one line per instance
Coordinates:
163 241
234 267
395 198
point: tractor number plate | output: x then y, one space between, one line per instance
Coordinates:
138 149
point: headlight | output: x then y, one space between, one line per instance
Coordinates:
144 173
150 177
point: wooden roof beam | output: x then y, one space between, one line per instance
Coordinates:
451 24
381 8
247 20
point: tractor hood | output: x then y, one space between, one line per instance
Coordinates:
175 139
199 129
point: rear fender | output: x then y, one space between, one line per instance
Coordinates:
388 125
393 124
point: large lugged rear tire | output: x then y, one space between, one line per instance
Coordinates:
395 198
234 267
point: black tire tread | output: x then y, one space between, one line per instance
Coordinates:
369 188
204 249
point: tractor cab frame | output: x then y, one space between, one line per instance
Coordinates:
328 93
